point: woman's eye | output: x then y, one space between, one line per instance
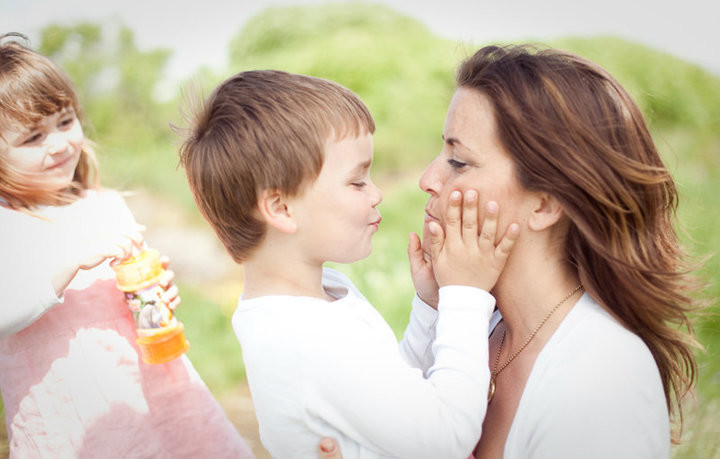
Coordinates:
358 184
456 164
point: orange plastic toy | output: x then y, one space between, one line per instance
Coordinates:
161 336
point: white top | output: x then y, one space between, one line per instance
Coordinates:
334 369
593 392
72 381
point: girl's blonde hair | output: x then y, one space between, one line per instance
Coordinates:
32 87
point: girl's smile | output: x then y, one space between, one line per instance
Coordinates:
46 154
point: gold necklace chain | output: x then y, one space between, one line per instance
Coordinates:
496 371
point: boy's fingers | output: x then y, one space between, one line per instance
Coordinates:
415 252
453 217
437 238
489 227
328 449
508 241
469 217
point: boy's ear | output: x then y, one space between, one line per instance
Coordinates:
273 207
546 212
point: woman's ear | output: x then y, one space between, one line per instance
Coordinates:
546 212
273 206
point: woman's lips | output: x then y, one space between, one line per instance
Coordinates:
429 217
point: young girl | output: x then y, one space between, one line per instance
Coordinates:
72 381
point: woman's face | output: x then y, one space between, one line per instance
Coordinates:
473 158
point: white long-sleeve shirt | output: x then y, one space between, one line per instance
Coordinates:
594 392
334 369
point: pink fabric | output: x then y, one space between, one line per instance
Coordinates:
74 386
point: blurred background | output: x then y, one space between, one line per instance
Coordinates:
133 62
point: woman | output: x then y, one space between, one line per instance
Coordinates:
588 355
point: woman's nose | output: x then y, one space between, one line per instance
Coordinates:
430 181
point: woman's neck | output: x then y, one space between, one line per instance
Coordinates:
527 291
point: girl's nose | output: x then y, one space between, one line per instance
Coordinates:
56 143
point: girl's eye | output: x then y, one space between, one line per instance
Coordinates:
456 164
33 138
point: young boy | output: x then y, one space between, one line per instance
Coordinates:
279 166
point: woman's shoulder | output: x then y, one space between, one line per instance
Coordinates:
589 327
591 348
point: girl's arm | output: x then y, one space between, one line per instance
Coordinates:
41 257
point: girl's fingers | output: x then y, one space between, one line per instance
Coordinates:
174 303
167 277
170 293
489 227
470 217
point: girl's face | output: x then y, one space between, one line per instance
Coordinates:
473 158
46 154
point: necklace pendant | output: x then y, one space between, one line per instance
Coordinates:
491 390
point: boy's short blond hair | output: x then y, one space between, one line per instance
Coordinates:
263 130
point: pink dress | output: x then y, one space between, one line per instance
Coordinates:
74 386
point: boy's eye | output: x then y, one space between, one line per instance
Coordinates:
455 164
67 121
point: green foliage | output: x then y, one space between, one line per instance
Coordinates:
116 83
669 91
214 350
401 71
405 76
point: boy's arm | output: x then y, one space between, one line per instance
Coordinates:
393 407
366 391
416 345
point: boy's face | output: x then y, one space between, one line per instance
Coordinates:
337 215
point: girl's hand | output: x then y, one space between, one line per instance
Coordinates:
82 251
171 296
117 245
421 268
463 256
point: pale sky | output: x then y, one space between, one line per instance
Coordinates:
198 33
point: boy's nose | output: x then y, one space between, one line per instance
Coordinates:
378 196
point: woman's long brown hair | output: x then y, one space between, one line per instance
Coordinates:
576 134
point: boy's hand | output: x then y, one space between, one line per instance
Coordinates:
328 449
421 268
463 256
